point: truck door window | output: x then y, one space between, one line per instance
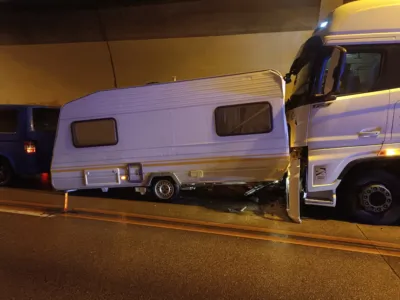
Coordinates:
8 120
361 72
329 77
250 118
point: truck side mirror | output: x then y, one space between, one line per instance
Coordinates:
334 70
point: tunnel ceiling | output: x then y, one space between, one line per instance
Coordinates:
149 19
42 4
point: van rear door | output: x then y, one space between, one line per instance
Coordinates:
44 122
11 133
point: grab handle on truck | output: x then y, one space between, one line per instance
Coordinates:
369 133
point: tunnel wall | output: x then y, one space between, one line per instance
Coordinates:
54 56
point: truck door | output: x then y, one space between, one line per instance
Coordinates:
358 115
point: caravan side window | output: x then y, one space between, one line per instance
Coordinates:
250 118
94 133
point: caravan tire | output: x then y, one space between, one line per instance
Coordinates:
6 172
164 189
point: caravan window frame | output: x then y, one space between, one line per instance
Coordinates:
94 145
271 127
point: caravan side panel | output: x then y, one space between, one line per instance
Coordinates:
171 128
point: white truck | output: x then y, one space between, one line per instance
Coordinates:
339 141
344 115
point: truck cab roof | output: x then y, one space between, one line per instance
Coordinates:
366 18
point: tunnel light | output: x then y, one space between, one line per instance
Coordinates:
123 177
323 24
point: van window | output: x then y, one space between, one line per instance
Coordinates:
45 119
251 118
8 120
93 133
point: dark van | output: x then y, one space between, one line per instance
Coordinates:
27 134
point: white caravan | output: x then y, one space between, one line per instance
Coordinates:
343 120
225 130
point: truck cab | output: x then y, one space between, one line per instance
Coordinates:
343 115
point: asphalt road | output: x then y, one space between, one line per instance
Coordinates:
64 257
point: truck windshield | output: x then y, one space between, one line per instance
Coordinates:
45 119
302 68
302 81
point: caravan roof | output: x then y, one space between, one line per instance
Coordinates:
179 94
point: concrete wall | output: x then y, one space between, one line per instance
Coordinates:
141 61
57 73
53 73
55 56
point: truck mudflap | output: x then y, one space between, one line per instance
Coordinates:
293 190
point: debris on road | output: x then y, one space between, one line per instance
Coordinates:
232 210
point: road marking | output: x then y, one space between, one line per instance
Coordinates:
25 203
244 227
218 225
32 213
253 236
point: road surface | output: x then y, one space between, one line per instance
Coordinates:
96 256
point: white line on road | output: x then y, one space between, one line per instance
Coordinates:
41 214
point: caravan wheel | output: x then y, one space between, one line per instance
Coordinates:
165 189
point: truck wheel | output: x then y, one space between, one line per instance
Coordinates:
6 172
165 189
371 197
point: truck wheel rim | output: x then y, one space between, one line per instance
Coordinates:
376 198
164 189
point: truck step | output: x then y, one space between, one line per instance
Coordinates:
326 198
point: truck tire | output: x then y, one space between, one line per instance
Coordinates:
6 172
371 197
164 188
